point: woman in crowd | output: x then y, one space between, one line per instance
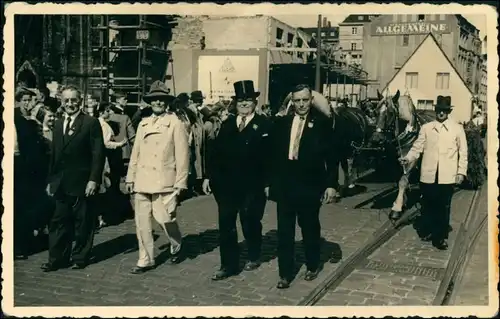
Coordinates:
103 112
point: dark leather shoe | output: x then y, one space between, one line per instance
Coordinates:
223 274
77 266
441 244
283 284
311 275
176 259
48 267
140 270
252 265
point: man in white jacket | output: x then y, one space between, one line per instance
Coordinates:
444 164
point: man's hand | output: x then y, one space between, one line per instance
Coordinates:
129 187
459 179
206 186
329 195
91 188
266 191
48 191
403 161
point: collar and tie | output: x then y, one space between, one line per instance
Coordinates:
242 123
296 141
69 121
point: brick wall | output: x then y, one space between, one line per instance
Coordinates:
187 34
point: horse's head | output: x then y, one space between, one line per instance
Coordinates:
386 114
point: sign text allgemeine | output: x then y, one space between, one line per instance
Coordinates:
410 28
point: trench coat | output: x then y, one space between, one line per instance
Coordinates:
160 156
444 152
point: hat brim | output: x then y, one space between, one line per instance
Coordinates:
256 94
158 96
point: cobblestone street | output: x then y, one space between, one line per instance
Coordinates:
405 270
107 281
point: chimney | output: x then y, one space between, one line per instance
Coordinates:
324 22
329 25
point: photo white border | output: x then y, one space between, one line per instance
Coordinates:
241 10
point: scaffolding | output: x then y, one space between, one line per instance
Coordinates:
126 37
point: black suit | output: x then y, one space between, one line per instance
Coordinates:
299 185
77 158
237 170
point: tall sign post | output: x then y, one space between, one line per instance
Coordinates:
318 57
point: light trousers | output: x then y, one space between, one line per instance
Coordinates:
147 205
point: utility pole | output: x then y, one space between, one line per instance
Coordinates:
318 57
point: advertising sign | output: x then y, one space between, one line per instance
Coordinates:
410 28
217 73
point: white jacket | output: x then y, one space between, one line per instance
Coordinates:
444 149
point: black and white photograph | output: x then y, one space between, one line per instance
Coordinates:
319 160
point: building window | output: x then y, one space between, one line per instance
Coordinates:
425 104
406 40
442 81
290 38
421 17
323 34
279 34
353 46
300 42
354 30
332 34
411 80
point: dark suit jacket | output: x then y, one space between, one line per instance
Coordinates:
317 166
78 158
238 160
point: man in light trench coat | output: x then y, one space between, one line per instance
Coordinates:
158 171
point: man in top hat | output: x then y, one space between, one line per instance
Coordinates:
305 174
157 172
443 147
237 175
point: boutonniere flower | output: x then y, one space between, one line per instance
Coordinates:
71 132
255 126
310 124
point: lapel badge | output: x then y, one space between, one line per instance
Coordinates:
310 124
255 126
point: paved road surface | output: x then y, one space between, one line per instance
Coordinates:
108 282
473 288
403 271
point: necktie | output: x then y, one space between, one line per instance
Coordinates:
68 126
296 141
242 123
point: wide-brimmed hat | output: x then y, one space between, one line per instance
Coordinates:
443 103
22 90
244 90
158 91
197 96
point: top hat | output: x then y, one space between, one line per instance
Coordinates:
158 91
197 95
244 89
443 103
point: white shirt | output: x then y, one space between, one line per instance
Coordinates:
444 151
72 117
107 134
248 118
293 133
